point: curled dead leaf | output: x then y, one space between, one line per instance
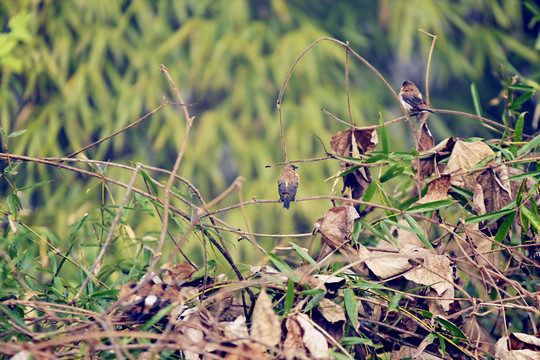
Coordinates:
352 143
266 327
336 227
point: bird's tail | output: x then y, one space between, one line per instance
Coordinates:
286 201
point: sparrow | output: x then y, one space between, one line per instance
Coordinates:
288 185
412 99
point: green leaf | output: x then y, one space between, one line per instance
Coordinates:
10 314
518 129
431 206
14 204
368 194
356 341
350 306
532 217
284 267
313 302
156 318
489 216
418 231
517 103
289 298
38 184
524 175
453 329
394 303
531 144
442 342
476 99
200 273
304 255
521 87
505 227
383 135
16 133
312 292
392 172
149 181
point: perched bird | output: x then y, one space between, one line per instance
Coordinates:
412 99
288 185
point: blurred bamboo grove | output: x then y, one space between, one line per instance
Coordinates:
73 72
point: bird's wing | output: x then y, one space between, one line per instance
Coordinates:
287 188
414 100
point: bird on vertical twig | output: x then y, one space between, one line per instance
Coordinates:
288 185
412 99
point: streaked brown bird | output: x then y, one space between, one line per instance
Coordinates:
288 185
412 99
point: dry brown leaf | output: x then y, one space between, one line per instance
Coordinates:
236 329
336 227
426 142
352 143
477 335
433 271
246 351
331 311
520 341
387 265
493 191
408 352
430 165
266 326
437 190
313 340
293 344
502 351
465 156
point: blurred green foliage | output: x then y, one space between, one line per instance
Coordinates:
75 71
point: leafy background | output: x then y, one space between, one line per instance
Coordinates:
75 71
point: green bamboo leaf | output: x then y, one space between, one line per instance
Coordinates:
518 129
289 298
392 172
530 145
532 217
149 181
284 267
394 303
200 273
505 227
476 99
312 292
16 133
453 329
383 135
350 306
517 103
521 87
431 206
313 302
524 175
304 255
356 341
8 313
418 231
14 204
38 184
489 216
160 315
